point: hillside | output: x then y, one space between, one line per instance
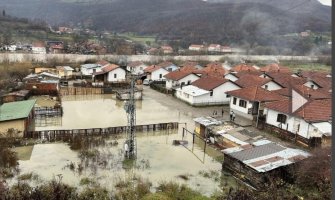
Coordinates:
224 21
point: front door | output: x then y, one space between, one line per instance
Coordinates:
255 107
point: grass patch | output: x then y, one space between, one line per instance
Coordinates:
87 181
307 66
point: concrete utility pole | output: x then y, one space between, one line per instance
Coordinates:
130 108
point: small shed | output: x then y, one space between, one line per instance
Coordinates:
16 116
16 96
262 160
201 124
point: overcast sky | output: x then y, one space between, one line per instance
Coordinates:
326 2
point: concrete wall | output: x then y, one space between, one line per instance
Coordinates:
22 57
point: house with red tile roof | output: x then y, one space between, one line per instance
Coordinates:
207 90
249 80
180 78
167 49
156 72
214 69
249 102
110 73
190 65
243 67
312 120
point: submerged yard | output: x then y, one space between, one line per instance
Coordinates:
101 161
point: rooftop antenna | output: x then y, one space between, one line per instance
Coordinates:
130 108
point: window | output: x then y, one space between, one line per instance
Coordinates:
266 87
234 100
243 103
182 83
312 86
281 118
115 75
160 75
227 95
211 94
188 82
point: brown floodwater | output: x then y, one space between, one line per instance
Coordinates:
100 111
157 159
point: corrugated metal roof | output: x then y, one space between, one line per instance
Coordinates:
16 110
207 121
257 151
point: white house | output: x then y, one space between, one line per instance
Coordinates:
254 80
156 73
249 102
180 78
207 91
89 69
136 67
214 48
312 120
110 73
196 47
39 48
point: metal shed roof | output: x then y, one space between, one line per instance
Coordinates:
16 110
257 151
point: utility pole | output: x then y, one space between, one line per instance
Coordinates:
130 108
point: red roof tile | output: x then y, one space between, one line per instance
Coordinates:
177 75
107 69
243 67
305 91
316 110
282 106
313 111
256 93
274 67
209 82
214 69
251 80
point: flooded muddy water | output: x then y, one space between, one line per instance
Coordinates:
157 160
100 111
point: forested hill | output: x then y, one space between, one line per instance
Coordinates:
192 20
